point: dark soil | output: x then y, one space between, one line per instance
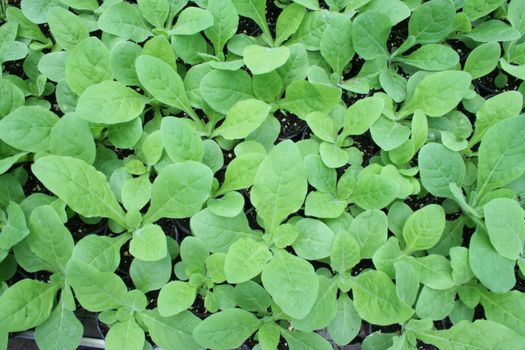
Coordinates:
291 126
486 85
367 146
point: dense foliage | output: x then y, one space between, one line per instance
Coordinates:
214 173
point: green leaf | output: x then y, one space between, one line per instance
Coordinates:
475 9
245 259
279 190
162 82
336 43
439 167
506 309
345 252
493 270
150 275
374 191
314 241
376 300
67 28
181 141
109 102
361 115
467 335
101 252
435 304
346 324
49 239
61 329
172 333
305 340
439 93
125 335
255 10
124 20
370 32
192 20
432 21
407 282
227 329
322 126
515 14
323 205
482 60
288 22
493 30
25 305
261 60
225 23
79 185
218 232
303 98
501 155
12 97
432 57
229 205
27 128
332 155
243 118
179 191
15 229
324 309
72 136
87 64
154 11
369 229
95 290
505 221
175 297
502 106
292 283
423 228
268 336
433 271
148 243
221 89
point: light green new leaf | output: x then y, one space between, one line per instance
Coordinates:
12 97
370 229
179 191
516 14
292 283
109 102
288 22
279 189
493 30
261 60
15 229
475 9
79 185
154 11
148 243
255 10
297 340
26 304
439 167
172 333
243 118
245 259
505 221
72 136
376 300
27 128
346 324
227 329
345 252
125 335
181 141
